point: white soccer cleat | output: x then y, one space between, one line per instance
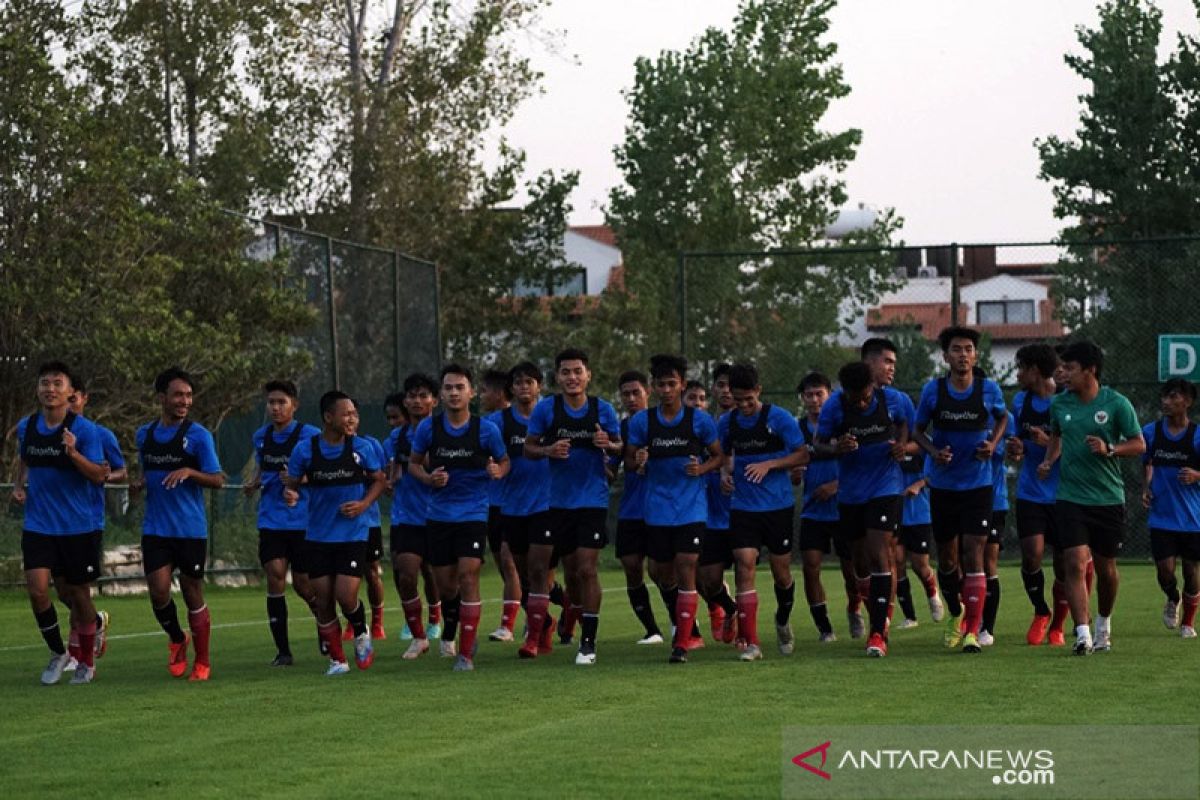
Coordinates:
1083 645
986 639
787 641
337 668
501 634
448 649
1103 642
83 674
1171 614
905 624
102 622
583 659
654 638
54 670
827 637
463 664
937 611
752 653
72 665
1187 632
416 649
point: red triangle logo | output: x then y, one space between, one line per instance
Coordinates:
823 749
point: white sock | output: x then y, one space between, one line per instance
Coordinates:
1083 632
1103 624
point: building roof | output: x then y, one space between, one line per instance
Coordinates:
599 233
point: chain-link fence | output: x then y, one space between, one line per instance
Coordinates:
793 311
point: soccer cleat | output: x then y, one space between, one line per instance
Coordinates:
585 658
1083 646
729 629
546 643
970 644
348 633
1057 639
716 622
406 633
102 621
282 660
1103 642
937 611
364 651
693 643
501 634
678 656
787 640
432 631
337 668
416 649
876 646
72 664
200 672
905 624
1171 614
83 674
377 631
752 653
463 664
177 656
1037 629
827 637
653 638
986 639
1187 632
54 670
527 650
447 649
953 635
857 629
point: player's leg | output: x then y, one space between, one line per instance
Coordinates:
466 572
433 599
407 561
1106 530
1031 531
321 579
974 587
814 592
586 570
37 585
511 600
631 552
537 606
191 586
373 577
991 601
687 543
158 566
1163 548
346 585
1191 585
945 523
903 587
746 597
276 570
710 575
879 563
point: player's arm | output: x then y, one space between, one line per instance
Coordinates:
1147 495
1053 451
758 471
417 468
94 471
535 449
255 483
18 491
354 508
714 460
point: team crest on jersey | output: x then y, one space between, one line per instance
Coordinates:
1101 417
357 458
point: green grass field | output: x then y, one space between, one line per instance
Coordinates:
631 726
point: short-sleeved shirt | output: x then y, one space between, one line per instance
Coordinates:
410 500
59 500
373 514
632 505
578 481
115 460
176 513
274 514
326 523
672 496
1175 506
965 471
1029 486
1086 478
999 471
465 497
775 491
526 487
916 509
870 471
818 472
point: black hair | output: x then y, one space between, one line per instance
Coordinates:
394 400
526 369
854 377
1085 354
633 376
456 369
721 370
498 379
815 379
743 376
172 374
420 380
570 354
287 387
876 344
957 332
78 384
1181 385
1040 356
663 364
330 399
693 385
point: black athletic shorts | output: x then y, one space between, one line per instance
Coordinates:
450 541
824 535
520 532
632 538
1037 518
1102 528
665 541
374 544
956 513
757 529
877 514
718 548
1175 544
75 556
996 532
495 534
323 559
574 528
915 538
411 539
288 545
186 555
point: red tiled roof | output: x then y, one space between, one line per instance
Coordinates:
929 317
599 233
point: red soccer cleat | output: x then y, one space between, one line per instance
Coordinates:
716 619
348 634
377 631
1057 639
729 629
876 646
177 662
1037 629
693 643
527 650
200 672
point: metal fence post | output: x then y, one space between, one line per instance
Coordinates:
333 339
683 342
437 312
954 298
395 319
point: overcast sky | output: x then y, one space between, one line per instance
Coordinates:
949 95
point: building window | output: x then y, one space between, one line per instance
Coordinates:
1004 312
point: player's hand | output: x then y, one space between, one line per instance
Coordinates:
805 456
353 508
68 440
493 469
600 438
944 457
756 472
984 450
726 484
1043 470
1039 436
825 491
18 495
250 487
1097 445
560 449
1147 499
1015 448
291 497
177 477
439 478
847 443
641 457
897 450
1188 476
914 489
693 467
797 475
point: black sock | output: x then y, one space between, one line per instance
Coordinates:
904 597
1170 588
169 620
47 622
881 593
556 595
1035 588
524 598
991 604
949 582
588 624
784 598
277 618
639 599
820 615
721 597
322 645
357 619
669 597
450 619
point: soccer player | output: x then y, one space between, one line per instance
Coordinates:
695 395
1172 496
282 512
62 459
456 454
967 414
633 545
819 533
373 572
179 461
866 425
1036 367
334 465
666 442
764 442
495 399
910 546
717 553
1090 427
577 433
991 550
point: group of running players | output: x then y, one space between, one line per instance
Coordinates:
885 482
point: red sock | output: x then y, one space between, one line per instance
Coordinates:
535 617
1190 603
930 584
73 644
1089 575
974 591
435 613
571 616
508 617
331 635
468 627
864 588
377 616
747 605
686 605
200 624
412 615
1061 606
87 643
